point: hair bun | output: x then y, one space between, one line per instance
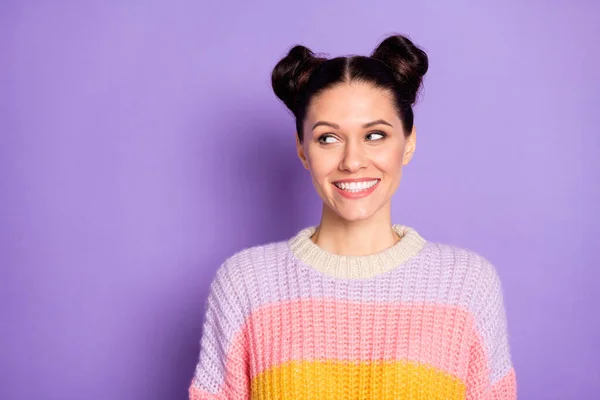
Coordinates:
292 72
408 62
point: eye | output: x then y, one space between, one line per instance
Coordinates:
323 137
383 135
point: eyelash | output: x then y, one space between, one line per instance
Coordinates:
383 134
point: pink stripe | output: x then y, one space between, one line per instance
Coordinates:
505 388
438 335
478 379
195 393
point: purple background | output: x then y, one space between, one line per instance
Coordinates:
141 145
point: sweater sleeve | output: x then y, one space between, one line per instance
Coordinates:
222 369
491 375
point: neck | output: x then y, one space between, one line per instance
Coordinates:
355 238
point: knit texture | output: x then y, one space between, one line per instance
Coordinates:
419 320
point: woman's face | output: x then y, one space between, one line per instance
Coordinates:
353 133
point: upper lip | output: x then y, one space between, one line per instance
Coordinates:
356 180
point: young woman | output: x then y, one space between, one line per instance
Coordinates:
355 307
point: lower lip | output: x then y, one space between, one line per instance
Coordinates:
356 195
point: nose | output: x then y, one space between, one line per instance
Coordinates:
354 157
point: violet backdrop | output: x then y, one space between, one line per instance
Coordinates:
142 145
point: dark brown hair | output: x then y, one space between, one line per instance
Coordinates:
396 65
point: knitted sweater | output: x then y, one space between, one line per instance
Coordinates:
290 320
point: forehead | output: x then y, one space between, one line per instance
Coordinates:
352 103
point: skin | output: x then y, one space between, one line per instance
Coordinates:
362 226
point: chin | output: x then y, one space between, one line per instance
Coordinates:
357 214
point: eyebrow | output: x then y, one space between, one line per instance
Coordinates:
367 125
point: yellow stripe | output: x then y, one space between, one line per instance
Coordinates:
323 380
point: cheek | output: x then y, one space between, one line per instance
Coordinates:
389 159
321 165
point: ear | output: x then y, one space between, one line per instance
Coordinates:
410 146
300 151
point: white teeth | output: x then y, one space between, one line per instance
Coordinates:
356 186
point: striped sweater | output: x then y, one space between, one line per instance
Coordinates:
290 320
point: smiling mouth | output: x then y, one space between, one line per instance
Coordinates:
356 187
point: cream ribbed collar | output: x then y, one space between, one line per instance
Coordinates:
356 267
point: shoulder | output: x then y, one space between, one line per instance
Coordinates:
474 273
463 260
248 263
252 257
238 276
